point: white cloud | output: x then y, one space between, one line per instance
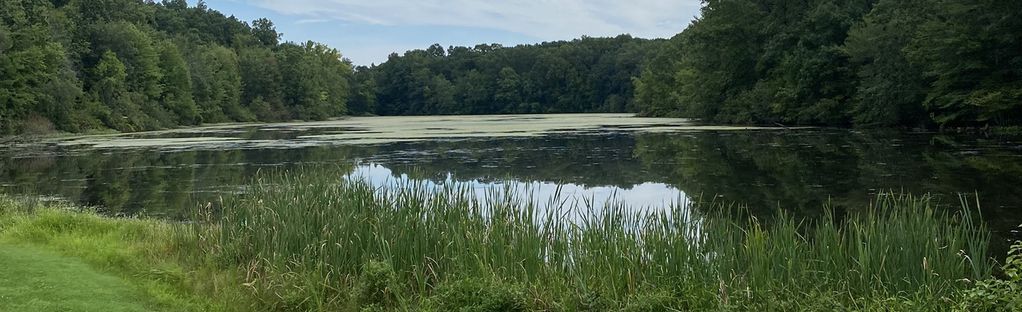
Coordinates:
541 19
312 21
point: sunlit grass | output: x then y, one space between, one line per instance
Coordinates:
32 279
146 254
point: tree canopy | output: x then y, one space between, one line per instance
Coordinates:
828 62
583 75
134 65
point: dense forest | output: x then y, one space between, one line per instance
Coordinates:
132 65
583 75
129 65
915 63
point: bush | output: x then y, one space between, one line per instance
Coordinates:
7 205
36 124
999 294
653 301
592 301
376 286
478 295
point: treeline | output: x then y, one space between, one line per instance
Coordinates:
129 65
849 62
583 75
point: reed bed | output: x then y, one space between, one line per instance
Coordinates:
312 240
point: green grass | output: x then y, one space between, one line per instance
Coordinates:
308 238
144 254
33 279
311 241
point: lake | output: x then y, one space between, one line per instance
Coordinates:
645 162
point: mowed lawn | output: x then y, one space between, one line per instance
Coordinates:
35 279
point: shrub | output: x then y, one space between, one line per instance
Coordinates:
654 301
376 286
479 295
36 124
999 294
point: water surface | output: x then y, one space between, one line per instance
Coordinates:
645 162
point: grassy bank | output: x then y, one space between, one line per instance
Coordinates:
33 279
81 259
310 241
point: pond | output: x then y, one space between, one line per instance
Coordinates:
645 162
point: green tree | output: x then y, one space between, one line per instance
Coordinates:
265 32
473 88
655 92
61 64
583 75
111 89
37 84
718 64
137 51
262 85
364 90
861 62
438 96
890 88
315 80
970 51
100 11
217 85
509 90
177 85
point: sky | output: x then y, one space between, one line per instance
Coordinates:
367 31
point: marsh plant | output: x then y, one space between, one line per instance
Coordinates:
1002 294
313 240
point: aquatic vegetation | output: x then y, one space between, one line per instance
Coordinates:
311 240
377 130
315 235
999 294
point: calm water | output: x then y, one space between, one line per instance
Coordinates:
797 170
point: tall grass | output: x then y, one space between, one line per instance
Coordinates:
312 240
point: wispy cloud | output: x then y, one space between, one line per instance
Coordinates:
540 19
312 21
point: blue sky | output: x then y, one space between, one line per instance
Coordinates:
367 31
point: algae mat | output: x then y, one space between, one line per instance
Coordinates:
376 130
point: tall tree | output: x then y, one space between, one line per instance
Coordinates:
37 84
584 75
890 88
111 89
972 51
262 84
177 85
363 94
315 80
508 97
828 62
217 85
133 65
136 50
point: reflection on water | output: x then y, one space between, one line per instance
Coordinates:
641 196
799 170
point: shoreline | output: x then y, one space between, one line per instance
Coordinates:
214 264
